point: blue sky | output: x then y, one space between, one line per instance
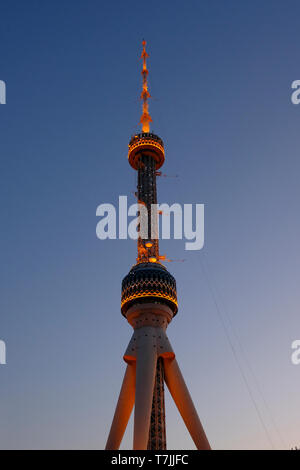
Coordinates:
220 78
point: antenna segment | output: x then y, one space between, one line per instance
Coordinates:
145 118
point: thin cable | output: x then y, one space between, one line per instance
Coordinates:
243 352
237 358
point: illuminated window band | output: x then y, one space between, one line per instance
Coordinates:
145 282
144 142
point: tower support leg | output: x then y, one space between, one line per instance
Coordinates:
184 403
145 378
123 409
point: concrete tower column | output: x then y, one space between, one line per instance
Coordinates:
148 342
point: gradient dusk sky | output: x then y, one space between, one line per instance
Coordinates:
220 77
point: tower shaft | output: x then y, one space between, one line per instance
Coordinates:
148 249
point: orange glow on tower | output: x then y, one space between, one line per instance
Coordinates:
145 118
149 303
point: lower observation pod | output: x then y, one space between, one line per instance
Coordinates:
149 282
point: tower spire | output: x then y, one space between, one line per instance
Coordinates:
145 118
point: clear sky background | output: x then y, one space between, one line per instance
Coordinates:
220 77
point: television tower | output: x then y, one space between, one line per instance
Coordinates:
149 303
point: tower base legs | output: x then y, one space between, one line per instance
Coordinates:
181 396
123 409
148 345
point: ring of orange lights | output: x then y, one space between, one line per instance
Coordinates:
145 145
159 295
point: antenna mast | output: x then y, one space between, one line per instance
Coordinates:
145 118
